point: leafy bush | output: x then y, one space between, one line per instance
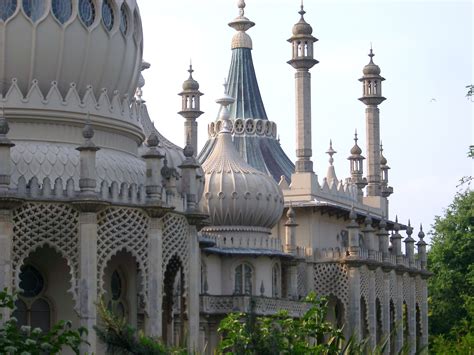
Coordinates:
26 340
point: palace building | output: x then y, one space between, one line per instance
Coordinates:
95 203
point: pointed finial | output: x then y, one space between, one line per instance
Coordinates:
152 140
381 147
302 12
409 229
190 70
352 214
331 152
355 136
4 127
396 226
371 53
188 150
421 234
88 131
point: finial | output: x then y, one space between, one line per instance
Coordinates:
409 229
421 234
88 131
190 70
381 147
368 219
331 152
371 53
152 140
302 12
352 214
4 127
355 136
241 6
396 226
383 223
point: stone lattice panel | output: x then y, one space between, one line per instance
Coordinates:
419 290
122 229
301 279
393 287
379 285
175 241
332 279
406 288
364 282
53 225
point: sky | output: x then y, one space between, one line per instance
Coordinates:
424 49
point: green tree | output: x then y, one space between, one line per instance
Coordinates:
246 334
451 288
33 341
122 339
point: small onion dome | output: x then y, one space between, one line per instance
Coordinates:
383 160
302 27
190 84
371 68
356 149
236 194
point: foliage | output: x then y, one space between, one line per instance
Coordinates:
470 92
25 340
451 287
246 334
121 338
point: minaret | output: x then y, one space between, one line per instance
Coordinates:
386 190
372 97
302 60
357 168
191 109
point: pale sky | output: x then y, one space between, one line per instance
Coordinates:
425 52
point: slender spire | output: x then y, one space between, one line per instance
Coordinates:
331 174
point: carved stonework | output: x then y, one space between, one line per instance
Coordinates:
123 229
55 225
332 279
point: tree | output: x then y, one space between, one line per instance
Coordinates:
246 334
451 259
122 339
26 340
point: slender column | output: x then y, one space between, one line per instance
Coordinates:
354 302
399 314
372 116
155 277
412 314
303 121
6 237
88 277
372 312
424 313
194 282
386 311
294 282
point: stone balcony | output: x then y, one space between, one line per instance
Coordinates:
262 306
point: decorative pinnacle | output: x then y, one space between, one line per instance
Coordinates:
88 131
352 214
188 150
152 140
355 136
421 234
190 70
331 152
4 127
383 223
396 226
241 5
371 53
302 12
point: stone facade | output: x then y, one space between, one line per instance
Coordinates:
95 204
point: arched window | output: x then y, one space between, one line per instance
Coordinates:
7 9
107 15
124 19
31 308
62 10
243 279
276 281
87 12
34 9
117 292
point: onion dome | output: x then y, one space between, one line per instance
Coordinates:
236 194
86 42
356 150
190 84
383 160
371 68
302 28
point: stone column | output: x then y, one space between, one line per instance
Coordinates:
372 311
411 302
88 277
6 237
372 114
303 121
399 313
194 283
155 277
424 313
386 310
354 302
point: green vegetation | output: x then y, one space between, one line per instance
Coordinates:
122 339
451 288
27 341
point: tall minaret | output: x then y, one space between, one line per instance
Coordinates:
372 97
191 109
302 60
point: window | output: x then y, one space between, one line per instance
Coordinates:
87 12
34 9
62 10
243 279
276 281
107 15
123 19
31 308
117 293
7 9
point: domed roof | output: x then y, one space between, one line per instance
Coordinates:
190 84
371 68
302 27
235 194
97 44
356 150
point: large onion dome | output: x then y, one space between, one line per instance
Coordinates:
236 194
95 43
